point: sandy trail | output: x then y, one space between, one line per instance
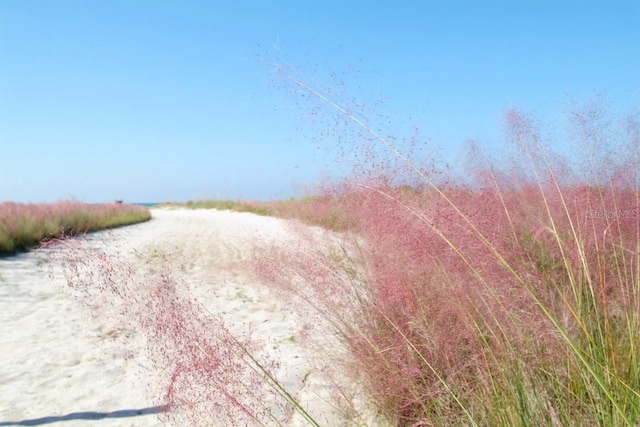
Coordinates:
57 363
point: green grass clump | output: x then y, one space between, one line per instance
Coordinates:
24 226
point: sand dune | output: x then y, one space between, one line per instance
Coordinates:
58 362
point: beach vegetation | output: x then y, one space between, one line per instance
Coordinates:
26 225
508 295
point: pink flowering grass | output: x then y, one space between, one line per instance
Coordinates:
509 297
23 226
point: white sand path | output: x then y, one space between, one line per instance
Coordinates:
60 366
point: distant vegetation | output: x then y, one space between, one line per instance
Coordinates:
259 208
23 226
323 211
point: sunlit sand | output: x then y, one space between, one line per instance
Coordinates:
61 361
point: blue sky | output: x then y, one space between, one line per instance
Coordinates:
169 101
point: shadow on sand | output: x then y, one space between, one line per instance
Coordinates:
87 415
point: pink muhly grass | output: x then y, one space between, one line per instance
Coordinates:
510 300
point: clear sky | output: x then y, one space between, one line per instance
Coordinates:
174 100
